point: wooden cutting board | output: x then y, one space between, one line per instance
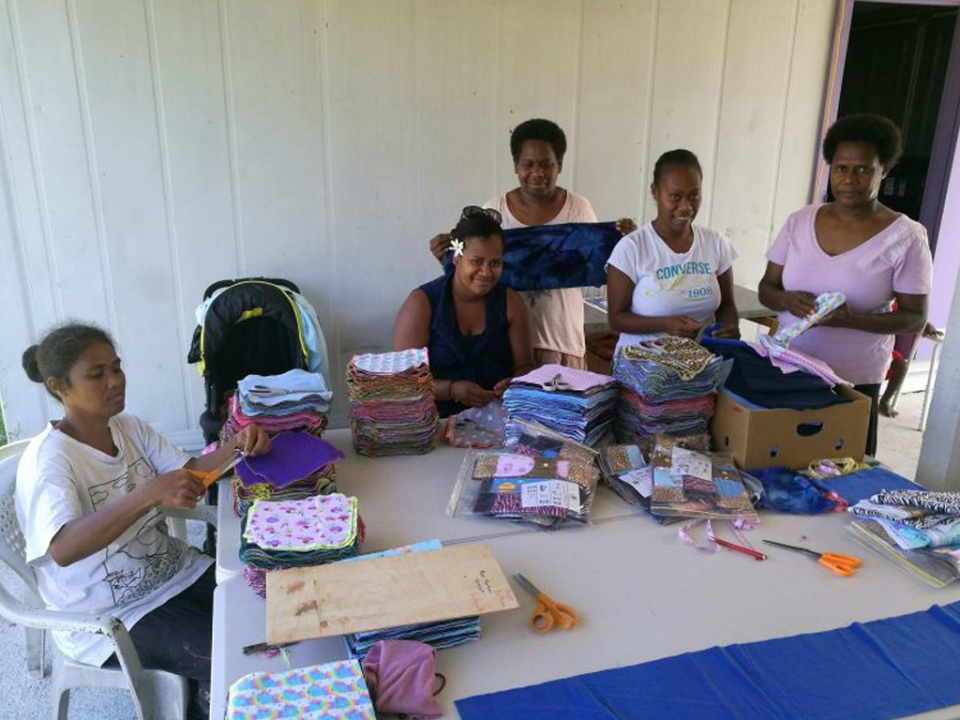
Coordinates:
342 598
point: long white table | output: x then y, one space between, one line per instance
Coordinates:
403 499
640 593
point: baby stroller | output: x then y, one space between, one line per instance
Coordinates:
249 326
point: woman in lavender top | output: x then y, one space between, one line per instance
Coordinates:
857 246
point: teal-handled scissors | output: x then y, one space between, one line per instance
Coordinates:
842 565
557 384
548 611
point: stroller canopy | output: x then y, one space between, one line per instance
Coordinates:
253 326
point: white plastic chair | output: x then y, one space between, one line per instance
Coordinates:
157 695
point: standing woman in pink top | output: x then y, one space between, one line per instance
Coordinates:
556 316
857 246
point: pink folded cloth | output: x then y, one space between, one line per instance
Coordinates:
400 676
578 380
789 360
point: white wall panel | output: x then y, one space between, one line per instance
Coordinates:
152 147
687 85
742 190
538 70
188 70
125 153
459 145
619 41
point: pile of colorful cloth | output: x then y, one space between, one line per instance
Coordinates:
297 533
667 387
295 400
577 404
392 409
299 465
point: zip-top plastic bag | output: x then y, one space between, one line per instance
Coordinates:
526 488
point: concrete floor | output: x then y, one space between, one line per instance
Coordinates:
28 699
899 442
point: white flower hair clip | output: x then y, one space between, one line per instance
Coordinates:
457 247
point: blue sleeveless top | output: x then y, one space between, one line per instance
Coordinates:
484 359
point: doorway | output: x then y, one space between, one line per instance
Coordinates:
894 59
902 60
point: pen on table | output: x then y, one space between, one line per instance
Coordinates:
739 548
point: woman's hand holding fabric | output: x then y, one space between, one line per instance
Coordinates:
799 303
501 387
252 440
727 332
625 226
841 317
681 326
470 394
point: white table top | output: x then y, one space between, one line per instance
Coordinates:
640 593
384 487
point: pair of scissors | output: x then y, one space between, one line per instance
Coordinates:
843 565
209 478
557 384
548 612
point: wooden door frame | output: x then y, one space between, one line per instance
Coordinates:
947 132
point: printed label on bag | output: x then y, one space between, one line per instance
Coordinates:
689 462
641 480
551 493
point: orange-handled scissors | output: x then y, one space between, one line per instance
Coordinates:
548 612
840 564
208 478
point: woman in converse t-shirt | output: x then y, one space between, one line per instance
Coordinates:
671 276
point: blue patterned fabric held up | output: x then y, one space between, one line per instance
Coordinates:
551 257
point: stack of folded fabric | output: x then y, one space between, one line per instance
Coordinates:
335 691
442 634
296 533
392 410
577 404
667 387
299 465
767 375
295 400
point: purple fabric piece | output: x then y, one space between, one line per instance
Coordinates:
292 457
400 676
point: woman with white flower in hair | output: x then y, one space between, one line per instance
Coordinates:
476 331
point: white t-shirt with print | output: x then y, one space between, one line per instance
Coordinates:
669 283
556 316
60 479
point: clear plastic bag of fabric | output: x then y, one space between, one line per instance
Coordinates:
530 438
688 483
627 472
477 427
532 489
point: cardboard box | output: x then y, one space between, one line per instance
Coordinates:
791 438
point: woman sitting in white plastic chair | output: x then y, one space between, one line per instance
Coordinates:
88 493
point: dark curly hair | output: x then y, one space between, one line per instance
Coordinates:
675 158
876 130
479 224
59 351
538 129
